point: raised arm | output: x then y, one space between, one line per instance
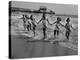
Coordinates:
39 21
49 22
35 21
21 17
54 22
62 25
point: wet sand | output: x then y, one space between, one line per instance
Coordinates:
23 49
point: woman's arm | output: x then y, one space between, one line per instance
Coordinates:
49 22
62 25
39 21
53 22
35 21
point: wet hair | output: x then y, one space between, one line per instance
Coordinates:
58 19
68 19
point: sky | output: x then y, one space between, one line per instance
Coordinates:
57 8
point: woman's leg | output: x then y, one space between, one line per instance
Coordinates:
34 30
44 32
67 35
55 33
28 27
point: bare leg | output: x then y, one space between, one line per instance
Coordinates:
55 34
34 30
28 27
44 33
67 35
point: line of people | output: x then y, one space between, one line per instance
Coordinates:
32 23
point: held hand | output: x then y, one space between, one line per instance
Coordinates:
39 21
50 24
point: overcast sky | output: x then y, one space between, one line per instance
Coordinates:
57 8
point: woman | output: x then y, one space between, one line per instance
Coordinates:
44 27
57 28
68 30
33 24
